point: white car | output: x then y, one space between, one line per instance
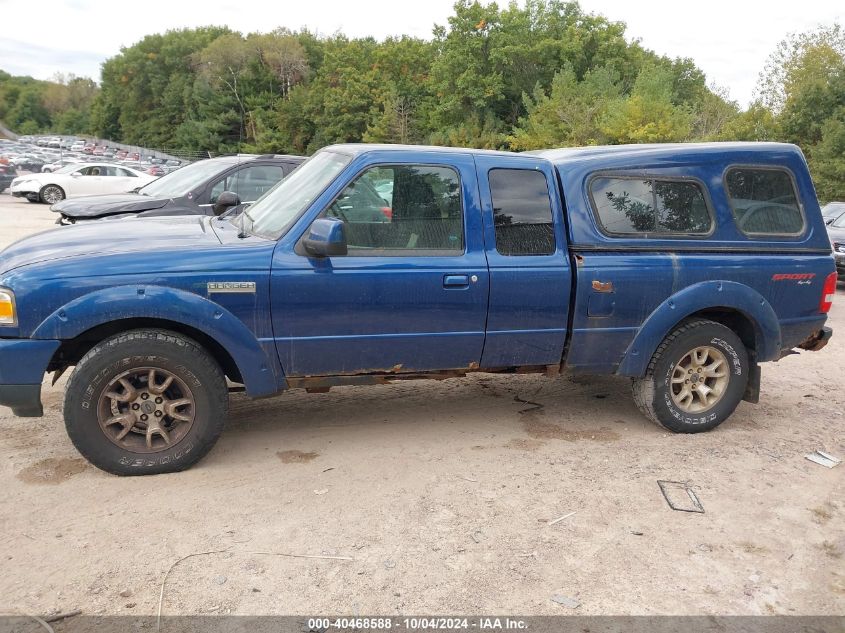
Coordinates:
78 180
51 167
78 146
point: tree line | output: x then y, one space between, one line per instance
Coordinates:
546 74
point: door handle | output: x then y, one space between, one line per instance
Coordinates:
455 281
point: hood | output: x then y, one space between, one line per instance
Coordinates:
180 233
95 206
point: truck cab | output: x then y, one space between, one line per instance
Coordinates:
680 266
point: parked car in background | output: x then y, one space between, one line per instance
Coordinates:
78 180
51 167
78 146
7 175
832 210
156 170
29 162
196 189
836 232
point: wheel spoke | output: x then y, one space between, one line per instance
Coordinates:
715 369
685 396
703 392
156 429
170 409
155 388
128 395
126 420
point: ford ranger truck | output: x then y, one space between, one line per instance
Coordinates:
682 267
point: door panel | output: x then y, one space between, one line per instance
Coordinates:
395 302
529 293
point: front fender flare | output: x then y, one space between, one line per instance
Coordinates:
695 298
260 369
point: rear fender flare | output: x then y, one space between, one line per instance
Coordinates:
260 370
704 295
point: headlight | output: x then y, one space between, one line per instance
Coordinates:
8 314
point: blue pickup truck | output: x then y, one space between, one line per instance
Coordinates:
680 266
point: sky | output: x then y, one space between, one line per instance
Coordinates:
729 40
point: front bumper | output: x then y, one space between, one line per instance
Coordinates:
25 400
22 366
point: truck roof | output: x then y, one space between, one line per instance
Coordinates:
360 148
657 151
565 155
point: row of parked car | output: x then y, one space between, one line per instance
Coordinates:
87 191
28 155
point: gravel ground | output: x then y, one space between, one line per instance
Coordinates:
443 497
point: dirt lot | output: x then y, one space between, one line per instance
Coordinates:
441 494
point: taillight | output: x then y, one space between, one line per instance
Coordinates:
388 212
828 290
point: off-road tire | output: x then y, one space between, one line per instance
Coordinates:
652 393
173 353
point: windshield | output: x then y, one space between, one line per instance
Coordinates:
67 169
833 209
179 183
276 210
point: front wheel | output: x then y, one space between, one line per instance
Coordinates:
695 379
145 402
51 194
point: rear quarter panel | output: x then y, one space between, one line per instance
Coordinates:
775 281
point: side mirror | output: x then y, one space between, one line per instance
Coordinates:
224 201
326 238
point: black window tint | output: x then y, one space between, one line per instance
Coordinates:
624 205
402 208
632 206
522 212
764 201
681 207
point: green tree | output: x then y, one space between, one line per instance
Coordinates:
648 114
570 114
149 89
804 86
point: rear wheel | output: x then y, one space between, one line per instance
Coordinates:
145 402
695 379
51 194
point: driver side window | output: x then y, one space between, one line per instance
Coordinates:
393 209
